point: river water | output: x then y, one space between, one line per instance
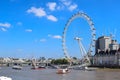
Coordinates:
50 74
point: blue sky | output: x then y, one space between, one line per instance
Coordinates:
34 27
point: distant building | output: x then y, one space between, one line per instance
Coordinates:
105 43
102 43
107 52
114 45
107 59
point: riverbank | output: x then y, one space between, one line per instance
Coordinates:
109 69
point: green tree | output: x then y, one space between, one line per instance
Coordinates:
59 61
75 58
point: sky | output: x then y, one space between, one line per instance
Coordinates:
35 27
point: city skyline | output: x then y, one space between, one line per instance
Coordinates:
34 28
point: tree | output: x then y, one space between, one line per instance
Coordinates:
75 58
59 61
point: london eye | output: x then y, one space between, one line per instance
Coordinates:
90 23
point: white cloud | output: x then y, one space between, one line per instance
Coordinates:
37 11
19 23
72 7
43 40
3 29
55 36
52 18
6 25
66 2
58 7
28 30
51 6
49 35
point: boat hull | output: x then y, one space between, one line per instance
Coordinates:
17 67
38 68
5 78
62 71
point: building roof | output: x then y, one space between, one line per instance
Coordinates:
106 37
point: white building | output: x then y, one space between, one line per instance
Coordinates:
103 43
107 52
114 45
107 59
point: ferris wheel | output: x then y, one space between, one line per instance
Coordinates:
92 30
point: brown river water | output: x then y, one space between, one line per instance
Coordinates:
50 74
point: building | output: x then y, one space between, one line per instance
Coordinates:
107 52
114 45
103 43
107 59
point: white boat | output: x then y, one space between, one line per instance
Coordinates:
80 68
5 78
85 68
17 67
62 71
91 68
38 67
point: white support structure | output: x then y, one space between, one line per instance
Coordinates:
83 52
80 46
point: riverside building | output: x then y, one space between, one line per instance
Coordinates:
107 52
